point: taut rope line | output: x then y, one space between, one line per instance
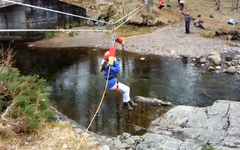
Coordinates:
130 17
53 30
69 30
129 13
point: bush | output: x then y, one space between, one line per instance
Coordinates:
24 100
72 33
49 35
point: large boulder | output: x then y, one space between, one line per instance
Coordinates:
215 58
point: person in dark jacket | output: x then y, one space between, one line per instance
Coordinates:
188 19
113 84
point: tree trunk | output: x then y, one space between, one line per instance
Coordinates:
218 3
235 4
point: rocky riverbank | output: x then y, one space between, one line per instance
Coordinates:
183 128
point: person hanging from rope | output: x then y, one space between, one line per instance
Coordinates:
119 40
113 83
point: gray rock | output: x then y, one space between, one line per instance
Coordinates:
197 118
203 60
232 69
237 57
215 58
190 144
232 138
158 142
211 68
104 147
116 142
218 67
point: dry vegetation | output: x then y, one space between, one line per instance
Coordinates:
52 136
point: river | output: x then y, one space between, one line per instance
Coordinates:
77 85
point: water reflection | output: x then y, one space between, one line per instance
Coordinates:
78 84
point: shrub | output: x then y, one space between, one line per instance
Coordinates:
72 33
49 35
24 100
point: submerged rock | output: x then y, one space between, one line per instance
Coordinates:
152 101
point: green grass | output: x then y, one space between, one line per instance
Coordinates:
49 35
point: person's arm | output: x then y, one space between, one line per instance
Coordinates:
183 13
115 67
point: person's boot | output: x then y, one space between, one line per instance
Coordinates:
133 104
128 105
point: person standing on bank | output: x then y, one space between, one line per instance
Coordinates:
113 83
188 19
181 5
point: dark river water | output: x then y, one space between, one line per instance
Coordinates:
77 85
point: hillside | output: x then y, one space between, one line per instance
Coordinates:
166 16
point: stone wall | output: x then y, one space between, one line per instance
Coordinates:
37 18
12 17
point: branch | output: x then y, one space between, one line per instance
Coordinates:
4 114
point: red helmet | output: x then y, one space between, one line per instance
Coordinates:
106 55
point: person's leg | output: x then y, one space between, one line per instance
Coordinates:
125 91
188 27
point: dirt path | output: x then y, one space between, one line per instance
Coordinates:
167 41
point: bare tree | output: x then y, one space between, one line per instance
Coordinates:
235 4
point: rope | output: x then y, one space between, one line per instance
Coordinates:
100 103
48 30
56 11
129 17
69 30
129 13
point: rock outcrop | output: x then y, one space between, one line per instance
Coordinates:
189 128
181 128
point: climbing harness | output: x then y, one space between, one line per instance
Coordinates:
117 87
